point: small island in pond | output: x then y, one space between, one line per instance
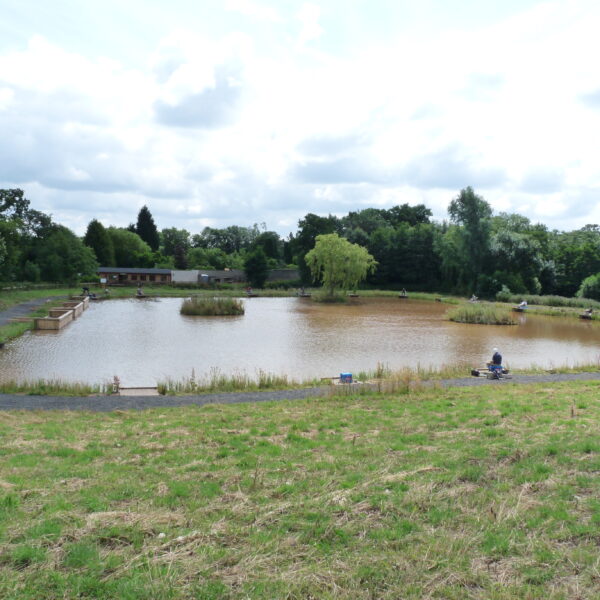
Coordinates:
212 307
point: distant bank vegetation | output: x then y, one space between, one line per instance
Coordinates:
207 306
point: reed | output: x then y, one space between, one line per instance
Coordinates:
210 306
481 314
217 381
48 387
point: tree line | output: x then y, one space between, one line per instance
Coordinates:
474 251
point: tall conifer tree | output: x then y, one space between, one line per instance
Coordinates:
97 238
146 228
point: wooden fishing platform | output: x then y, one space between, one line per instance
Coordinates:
138 391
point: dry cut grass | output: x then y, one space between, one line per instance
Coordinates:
466 494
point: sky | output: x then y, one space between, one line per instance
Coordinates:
235 112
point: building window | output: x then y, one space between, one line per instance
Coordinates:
151 277
163 277
134 277
142 278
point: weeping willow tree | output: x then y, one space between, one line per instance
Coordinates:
338 264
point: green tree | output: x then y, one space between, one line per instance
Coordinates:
207 258
472 214
338 263
180 257
577 256
173 238
12 242
62 257
413 215
269 241
231 239
590 287
310 227
518 261
20 226
97 238
146 228
256 267
130 249
3 251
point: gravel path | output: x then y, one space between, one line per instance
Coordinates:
24 309
110 403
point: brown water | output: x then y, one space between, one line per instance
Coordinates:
143 341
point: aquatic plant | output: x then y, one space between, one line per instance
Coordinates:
481 314
209 306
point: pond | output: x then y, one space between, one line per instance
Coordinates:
143 341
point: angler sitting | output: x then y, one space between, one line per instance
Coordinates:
495 366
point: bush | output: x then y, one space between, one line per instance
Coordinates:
202 306
504 295
590 287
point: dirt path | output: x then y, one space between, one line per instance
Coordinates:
110 403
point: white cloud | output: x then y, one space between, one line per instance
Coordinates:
309 15
253 9
272 120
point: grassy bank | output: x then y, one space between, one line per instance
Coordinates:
381 378
559 301
210 306
558 311
465 493
11 297
482 314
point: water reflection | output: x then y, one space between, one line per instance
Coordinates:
142 341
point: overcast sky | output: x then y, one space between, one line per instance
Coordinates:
222 112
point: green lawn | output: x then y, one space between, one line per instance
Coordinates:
488 493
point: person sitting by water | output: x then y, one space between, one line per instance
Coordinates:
523 304
588 311
140 291
85 291
495 365
474 298
403 293
249 291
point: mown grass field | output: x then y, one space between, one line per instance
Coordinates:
488 493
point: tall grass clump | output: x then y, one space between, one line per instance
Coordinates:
217 381
45 387
403 381
480 314
210 307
